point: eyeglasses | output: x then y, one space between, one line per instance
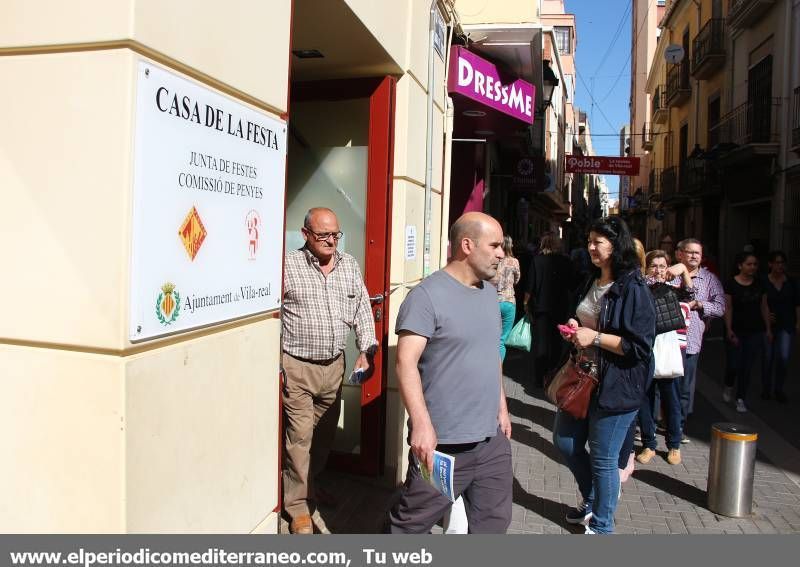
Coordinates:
323 236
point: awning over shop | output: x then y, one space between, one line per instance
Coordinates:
482 90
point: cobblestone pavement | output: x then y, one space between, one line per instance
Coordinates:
658 499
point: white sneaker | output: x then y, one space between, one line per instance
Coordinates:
740 407
727 394
589 531
580 515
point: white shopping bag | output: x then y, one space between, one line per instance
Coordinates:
667 352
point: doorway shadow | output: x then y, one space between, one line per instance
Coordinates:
539 415
523 434
548 509
672 486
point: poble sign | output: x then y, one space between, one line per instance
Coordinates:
602 165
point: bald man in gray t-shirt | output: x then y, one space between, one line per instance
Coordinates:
449 374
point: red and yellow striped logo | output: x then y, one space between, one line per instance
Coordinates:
192 233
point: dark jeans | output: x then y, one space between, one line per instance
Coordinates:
627 445
686 385
669 395
482 474
740 362
776 359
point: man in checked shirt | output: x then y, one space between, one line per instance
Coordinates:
323 298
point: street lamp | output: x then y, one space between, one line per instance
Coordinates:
549 84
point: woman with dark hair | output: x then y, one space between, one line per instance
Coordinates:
614 327
783 300
747 325
548 299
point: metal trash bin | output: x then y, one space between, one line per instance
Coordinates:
731 467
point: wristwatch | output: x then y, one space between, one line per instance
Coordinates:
596 341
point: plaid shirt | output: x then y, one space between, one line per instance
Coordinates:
319 311
708 291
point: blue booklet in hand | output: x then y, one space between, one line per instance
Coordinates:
441 478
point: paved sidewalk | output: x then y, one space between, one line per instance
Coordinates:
659 498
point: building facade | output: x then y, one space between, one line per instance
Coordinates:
181 432
722 87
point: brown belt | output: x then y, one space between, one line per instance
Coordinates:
327 362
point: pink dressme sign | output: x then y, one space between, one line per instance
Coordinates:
480 80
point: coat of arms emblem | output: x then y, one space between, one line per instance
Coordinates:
168 304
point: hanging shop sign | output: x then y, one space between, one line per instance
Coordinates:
603 165
481 81
208 192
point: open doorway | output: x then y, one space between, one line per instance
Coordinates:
340 156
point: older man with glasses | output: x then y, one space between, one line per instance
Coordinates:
323 298
709 302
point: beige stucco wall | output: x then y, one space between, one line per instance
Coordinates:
173 435
178 434
408 201
260 29
493 12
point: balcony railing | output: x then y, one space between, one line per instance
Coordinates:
708 49
678 87
743 13
796 120
669 182
647 136
693 176
750 123
654 181
659 105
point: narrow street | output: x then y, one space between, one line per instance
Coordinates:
658 499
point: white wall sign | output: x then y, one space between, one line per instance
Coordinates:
411 242
209 183
439 33
674 53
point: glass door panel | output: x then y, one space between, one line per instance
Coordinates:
327 158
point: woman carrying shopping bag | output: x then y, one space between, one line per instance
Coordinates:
505 279
668 359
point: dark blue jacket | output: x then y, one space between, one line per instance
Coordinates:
626 310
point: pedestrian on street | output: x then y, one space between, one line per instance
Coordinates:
783 300
505 279
450 380
548 300
747 326
627 454
677 276
614 326
708 302
323 298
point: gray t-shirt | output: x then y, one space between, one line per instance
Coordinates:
460 366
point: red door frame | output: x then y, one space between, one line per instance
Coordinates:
378 237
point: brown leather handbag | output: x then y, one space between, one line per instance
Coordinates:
572 386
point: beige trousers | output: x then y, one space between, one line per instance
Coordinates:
311 407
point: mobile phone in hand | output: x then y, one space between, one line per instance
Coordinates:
566 330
